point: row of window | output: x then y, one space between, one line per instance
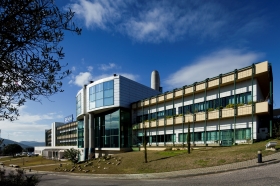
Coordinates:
67 132
240 134
159 115
80 134
243 98
67 143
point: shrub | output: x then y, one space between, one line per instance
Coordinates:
230 106
18 178
240 104
167 117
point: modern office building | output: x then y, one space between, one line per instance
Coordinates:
115 113
104 114
60 137
230 108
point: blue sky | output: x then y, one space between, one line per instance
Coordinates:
186 41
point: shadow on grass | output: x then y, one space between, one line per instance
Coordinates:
160 159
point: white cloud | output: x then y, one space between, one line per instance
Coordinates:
18 126
212 65
157 21
90 68
82 78
110 66
96 13
28 126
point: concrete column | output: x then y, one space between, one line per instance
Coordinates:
86 139
91 137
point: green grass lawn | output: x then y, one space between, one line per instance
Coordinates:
158 161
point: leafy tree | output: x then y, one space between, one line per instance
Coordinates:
30 34
72 155
17 178
12 149
1 142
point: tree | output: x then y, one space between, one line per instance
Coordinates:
17 178
72 155
30 34
1 142
189 138
12 149
145 144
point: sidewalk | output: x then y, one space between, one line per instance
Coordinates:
270 159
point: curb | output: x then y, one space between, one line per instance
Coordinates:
225 170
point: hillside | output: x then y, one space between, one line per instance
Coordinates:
33 143
7 142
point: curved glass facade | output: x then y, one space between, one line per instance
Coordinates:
78 105
101 95
81 134
113 129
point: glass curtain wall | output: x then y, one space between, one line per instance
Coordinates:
240 134
101 95
78 104
81 134
113 129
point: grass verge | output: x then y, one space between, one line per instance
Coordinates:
158 161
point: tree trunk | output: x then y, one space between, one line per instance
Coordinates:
189 139
145 146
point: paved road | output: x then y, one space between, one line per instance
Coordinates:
263 175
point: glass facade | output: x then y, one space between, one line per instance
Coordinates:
240 134
78 105
112 129
243 98
101 95
81 134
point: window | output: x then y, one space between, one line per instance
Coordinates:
243 134
170 112
184 137
107 129
211 135
160 138
81 134
78 105
101 95
160 114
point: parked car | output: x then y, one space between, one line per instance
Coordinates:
29 154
